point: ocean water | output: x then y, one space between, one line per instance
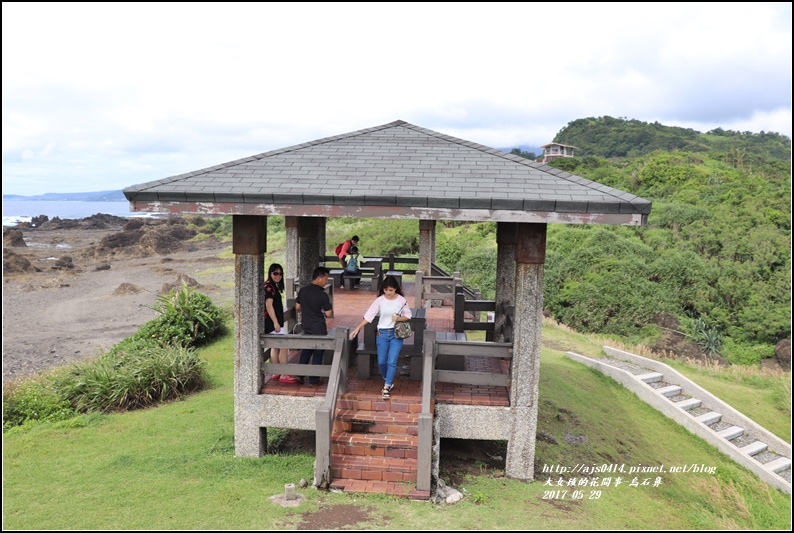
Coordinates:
16 211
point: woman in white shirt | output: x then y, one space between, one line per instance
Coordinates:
392 307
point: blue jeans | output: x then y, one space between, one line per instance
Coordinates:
389 348
316 357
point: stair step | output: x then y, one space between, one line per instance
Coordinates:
399 489
653 377
383 445
754 448
709 418
731 432
670 390
376 422
779 464
373 468
691 403
371 402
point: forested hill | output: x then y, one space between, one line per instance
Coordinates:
615 137
716 253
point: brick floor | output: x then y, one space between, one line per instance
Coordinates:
349 309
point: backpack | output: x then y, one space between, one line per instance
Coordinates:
339 248
352 265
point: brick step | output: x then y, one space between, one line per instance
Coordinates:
371 403
398 489
373 468
376 422
364 444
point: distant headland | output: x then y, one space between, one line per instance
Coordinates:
96 196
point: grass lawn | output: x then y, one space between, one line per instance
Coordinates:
173 467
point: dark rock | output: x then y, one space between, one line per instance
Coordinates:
13 237
547 437
38 221
122 239
16 263
783 354
570 438
134 223
63 263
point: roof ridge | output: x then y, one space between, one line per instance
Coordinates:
263 155
520 160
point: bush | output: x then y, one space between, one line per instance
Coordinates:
740 353
33 400
131 376
187 318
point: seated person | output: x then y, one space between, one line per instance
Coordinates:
353 259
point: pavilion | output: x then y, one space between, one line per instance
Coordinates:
396 171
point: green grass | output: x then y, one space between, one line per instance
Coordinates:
173 467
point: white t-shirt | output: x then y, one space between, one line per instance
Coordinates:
386 308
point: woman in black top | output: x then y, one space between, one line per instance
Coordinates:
274 316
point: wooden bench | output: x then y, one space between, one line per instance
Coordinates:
367 353
372 274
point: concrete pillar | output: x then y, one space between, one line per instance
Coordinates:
321 237
249 243
505 273
530 256
427 238
308 248
291 260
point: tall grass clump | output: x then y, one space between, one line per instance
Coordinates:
133 375
157 364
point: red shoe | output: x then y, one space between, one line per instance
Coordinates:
288 379
275 377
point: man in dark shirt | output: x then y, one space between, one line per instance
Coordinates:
315 306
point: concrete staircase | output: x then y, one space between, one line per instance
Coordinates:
374 445
701 412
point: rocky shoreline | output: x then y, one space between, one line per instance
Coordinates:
72 288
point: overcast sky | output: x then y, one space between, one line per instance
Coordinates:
105 96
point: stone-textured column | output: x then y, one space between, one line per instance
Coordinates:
530 257
308 248
505 273
291 260
321 238
249 243
427 237
427 230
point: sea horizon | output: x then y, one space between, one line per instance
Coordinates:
17 211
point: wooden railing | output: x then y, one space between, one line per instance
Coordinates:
435 287
475 308
435 348
337 376
324 421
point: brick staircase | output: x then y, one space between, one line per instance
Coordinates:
374 444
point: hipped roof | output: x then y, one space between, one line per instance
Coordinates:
396 170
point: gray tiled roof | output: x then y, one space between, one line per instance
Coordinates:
397 164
